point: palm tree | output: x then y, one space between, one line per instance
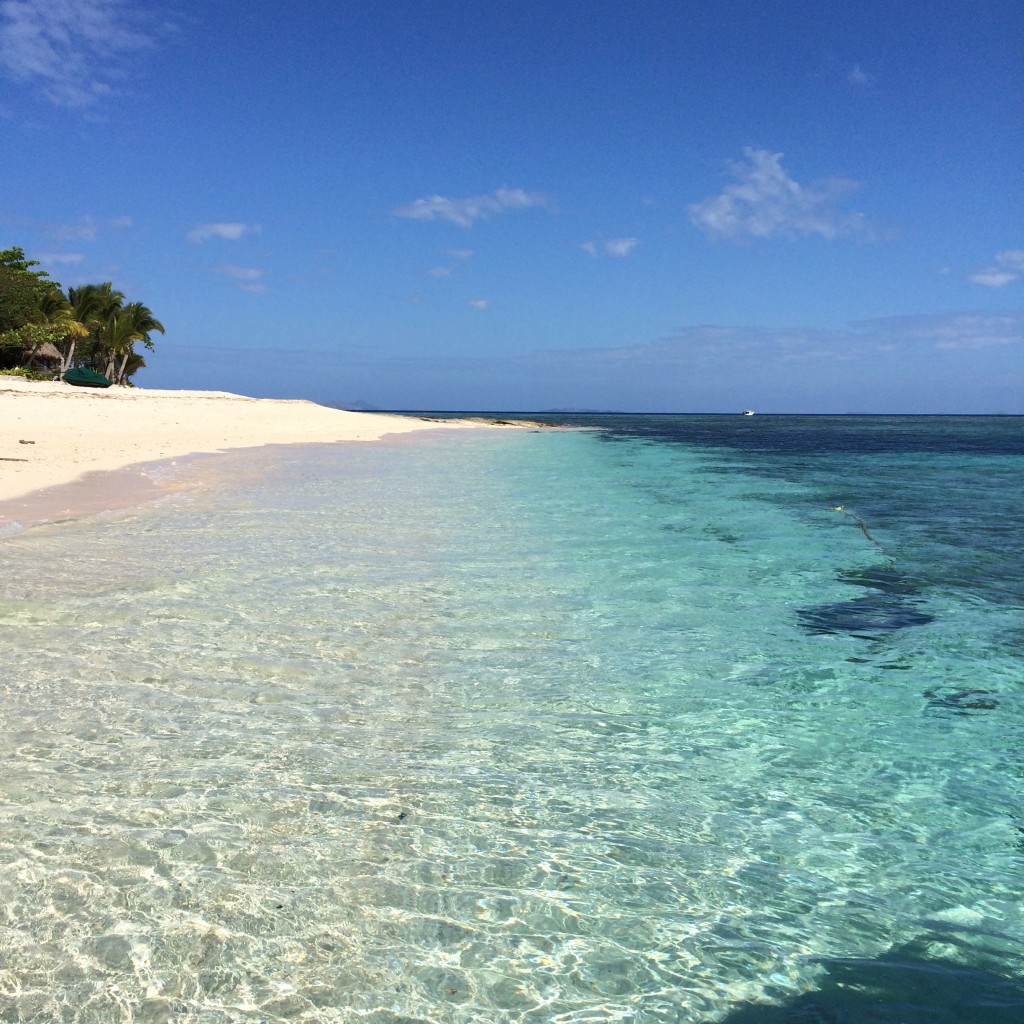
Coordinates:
131 323
56 312
92 305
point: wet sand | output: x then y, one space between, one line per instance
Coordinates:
55 439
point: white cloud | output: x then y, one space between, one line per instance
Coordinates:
72 49
993 277
441 272
465 212
228 231
1008 267
620 247
766 202
459 254
480 303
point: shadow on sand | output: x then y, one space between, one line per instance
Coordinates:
900 987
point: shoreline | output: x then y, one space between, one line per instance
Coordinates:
60 444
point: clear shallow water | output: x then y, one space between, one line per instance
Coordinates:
528 727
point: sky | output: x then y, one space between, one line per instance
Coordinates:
493 205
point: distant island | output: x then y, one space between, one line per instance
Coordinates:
582 412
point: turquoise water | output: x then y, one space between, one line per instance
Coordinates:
527 726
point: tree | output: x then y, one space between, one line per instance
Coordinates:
23 294
142 323
92 306
91 325
114 327
58 316
18 299
14 259
20 289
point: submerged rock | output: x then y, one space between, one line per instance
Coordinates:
960 701
871 614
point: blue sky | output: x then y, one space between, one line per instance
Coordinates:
650 206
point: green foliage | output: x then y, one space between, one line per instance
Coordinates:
19 298
30 335
94 303
14 259
91 325
21 289
28 374
18 344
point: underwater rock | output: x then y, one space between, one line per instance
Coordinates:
874 613
961 702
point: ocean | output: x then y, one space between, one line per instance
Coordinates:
672 719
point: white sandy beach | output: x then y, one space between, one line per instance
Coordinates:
51 433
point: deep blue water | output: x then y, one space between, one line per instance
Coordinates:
677 719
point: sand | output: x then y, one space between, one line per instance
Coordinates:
52 434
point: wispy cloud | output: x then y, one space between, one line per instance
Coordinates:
620 248
948 330
752 346
466 212
859 77
84 229
765 202
245 278
230 232
480 303
617 248
1007 267
240 273
73 50
444 271
906 364
60 259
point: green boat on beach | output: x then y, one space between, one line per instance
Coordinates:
84 378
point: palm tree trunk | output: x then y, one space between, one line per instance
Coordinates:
66 364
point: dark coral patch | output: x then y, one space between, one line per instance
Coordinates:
961 701
864 616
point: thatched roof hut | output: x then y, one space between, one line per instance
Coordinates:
46 352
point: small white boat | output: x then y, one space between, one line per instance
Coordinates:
748 412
